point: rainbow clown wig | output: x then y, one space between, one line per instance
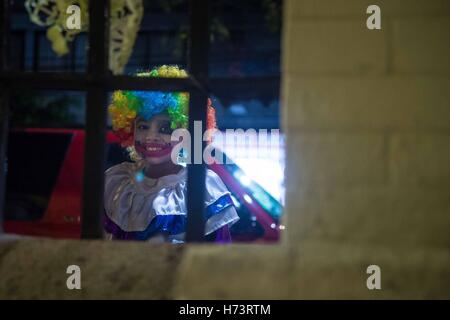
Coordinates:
126 106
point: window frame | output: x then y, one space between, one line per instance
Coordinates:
97 82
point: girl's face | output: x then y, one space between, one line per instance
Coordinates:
152 139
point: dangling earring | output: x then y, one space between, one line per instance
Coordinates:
182 156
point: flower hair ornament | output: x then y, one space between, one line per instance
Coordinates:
126 106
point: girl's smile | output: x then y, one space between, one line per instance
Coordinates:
153 149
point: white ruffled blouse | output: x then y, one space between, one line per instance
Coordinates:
138 207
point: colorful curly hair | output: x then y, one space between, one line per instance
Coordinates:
126 106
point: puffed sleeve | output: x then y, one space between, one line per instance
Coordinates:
220 210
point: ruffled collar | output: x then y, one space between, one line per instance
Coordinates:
137 206
149 185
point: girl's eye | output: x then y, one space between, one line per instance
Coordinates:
165 128
143 127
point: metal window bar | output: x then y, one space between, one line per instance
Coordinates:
4 104
198 66
97 82
94 154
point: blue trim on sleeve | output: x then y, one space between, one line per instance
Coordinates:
217 206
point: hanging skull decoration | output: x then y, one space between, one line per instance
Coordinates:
125 19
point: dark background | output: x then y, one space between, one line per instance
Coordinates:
244 61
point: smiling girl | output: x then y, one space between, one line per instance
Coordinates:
146 199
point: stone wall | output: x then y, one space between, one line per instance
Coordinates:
367 115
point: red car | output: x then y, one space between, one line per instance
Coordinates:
44 187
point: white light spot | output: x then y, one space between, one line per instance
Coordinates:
247 198
245 180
